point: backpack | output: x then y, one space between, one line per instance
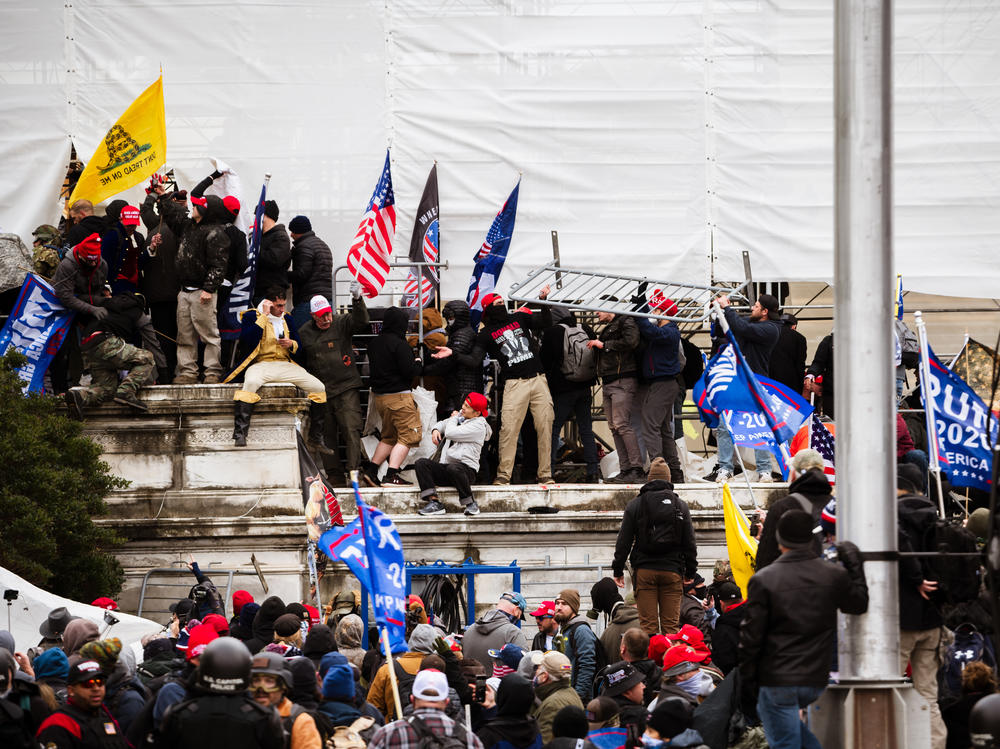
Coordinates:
969 645
908 344
426 739
958 577
15 731
600 655
660 525
816 513
350 737
404 681
579 363
323 723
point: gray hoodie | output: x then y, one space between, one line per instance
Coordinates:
491 632
464 439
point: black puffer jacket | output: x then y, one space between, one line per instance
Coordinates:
617 358
274 260
312 268
790 625
461 373
813 485
683 559
158 281
392 364
204 249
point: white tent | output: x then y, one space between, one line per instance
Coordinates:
32 606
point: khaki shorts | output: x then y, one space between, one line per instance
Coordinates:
400 419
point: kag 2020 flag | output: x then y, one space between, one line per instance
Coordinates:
36 328
371 252
132 150
489 259
960 425
425 247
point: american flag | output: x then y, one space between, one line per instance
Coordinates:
822 442
370 255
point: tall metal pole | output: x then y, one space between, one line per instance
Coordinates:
863 347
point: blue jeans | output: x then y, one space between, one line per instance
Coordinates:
778 708
726 452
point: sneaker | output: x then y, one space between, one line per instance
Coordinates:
74 402
211 379
369 475
765 477
185 380
472 508
394 479
433 507
129 399
723 475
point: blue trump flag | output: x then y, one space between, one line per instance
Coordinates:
242 294
36 328
728 384
960 424
371 548
490 258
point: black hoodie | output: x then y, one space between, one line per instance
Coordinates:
462 373
682 559
318 643
917 516
812 484
390 357
263 624
512 724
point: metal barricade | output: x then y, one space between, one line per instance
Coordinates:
182 587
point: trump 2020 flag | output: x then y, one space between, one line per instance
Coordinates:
490 258
347 545
960 423
134 148
36 328
242 293
728 384
425 247
371 253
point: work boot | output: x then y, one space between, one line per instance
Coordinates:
74 402
317 425
241 423
369 474
127 398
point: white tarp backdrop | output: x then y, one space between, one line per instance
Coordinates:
657 136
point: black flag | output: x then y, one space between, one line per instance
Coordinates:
424 247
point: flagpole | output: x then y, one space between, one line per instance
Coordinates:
385 632
739 457
925 378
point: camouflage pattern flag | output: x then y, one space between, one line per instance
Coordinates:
132 150
976 364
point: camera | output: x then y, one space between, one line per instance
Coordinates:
755 524
10 595
480 694
110 619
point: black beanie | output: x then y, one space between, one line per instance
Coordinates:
271 210
909 478
605 595
570 722
299 225
795 529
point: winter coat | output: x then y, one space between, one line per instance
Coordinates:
122 274
79 289
273 260
329 354
263 624
822 365
391 361
788 359
660 360
380 691
125 697
813 485
513 723
693 613
491 632
790 625
550 698
348 637
435 334
318 643
726 638
552 358
653 675
617 358
87 225
682 560
158 280
756 339
904 442
203 254
916 516
463 439
462 373
624 617
581 649
312 268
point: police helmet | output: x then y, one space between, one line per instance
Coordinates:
272 664
984 722
224 667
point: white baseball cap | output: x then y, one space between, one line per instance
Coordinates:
430 685
318 305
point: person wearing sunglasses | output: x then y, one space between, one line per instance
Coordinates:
85 721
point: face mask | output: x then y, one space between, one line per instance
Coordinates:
651 743
495 313
698 685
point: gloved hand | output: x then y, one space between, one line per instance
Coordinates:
355 289
99 312
559 643
442 649
849 555
216 174
639 298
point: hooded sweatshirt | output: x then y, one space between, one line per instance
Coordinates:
263 624
491 632
464 439
392 361
318 643
350 630
513 723
78 633
813 485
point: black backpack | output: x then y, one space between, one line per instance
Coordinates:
660 523
816 511
600 655
958 577
15 731
324 724
404 681
427 739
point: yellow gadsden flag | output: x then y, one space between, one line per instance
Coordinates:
131 151
741 545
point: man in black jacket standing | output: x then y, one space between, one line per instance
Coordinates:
393 368
657 538
275 256
312 268
790 627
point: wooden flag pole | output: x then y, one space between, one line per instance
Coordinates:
392 673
